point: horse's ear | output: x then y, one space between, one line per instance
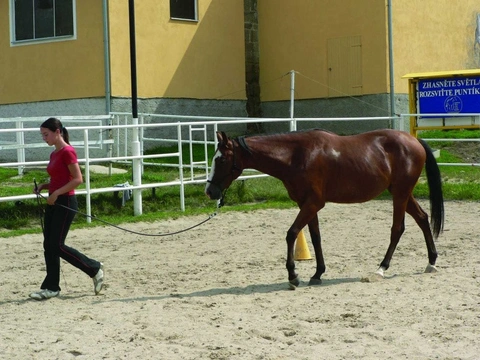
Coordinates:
222 137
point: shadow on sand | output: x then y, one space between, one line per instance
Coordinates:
236 290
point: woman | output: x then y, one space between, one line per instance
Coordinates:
65 176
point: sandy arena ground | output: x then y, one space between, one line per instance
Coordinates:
220 291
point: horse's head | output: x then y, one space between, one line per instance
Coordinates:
224 168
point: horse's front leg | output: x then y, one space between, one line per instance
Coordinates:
293 278
307 215
314 230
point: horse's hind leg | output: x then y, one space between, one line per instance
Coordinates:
421 218
398 227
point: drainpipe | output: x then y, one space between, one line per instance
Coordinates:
106 56
106 61
390 59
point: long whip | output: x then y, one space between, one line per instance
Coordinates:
40 209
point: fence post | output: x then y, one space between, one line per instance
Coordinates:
87 176
180 167
137 171
293 124
20 150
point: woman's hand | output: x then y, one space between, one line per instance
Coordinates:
37 190
52 198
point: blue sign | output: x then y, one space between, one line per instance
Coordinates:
449 96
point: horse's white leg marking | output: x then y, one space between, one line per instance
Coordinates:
431 269
380 271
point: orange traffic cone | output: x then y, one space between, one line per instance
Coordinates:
301 248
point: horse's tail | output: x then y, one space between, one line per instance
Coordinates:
436 194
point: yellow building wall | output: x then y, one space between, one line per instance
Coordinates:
55 70
180 59
205 59
294 35
433 35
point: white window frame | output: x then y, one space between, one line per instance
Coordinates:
14 42
195 4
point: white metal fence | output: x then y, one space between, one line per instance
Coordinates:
112 136
13 138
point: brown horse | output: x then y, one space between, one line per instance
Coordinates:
317 167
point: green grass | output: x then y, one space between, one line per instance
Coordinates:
460 183
450 134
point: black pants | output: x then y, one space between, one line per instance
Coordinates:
57 222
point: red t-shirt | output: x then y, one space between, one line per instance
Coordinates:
58 168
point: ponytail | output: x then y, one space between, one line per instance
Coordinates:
65 135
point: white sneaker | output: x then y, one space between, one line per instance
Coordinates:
44 294
98 280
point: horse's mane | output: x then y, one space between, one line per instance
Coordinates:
241 141
243 144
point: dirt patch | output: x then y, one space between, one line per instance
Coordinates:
220 291
468 151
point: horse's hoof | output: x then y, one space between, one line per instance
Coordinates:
315 282
430 269
294 283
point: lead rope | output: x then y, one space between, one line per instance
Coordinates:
211 216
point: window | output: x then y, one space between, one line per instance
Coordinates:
34 20
183 10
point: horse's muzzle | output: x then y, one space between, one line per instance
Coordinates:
213 191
